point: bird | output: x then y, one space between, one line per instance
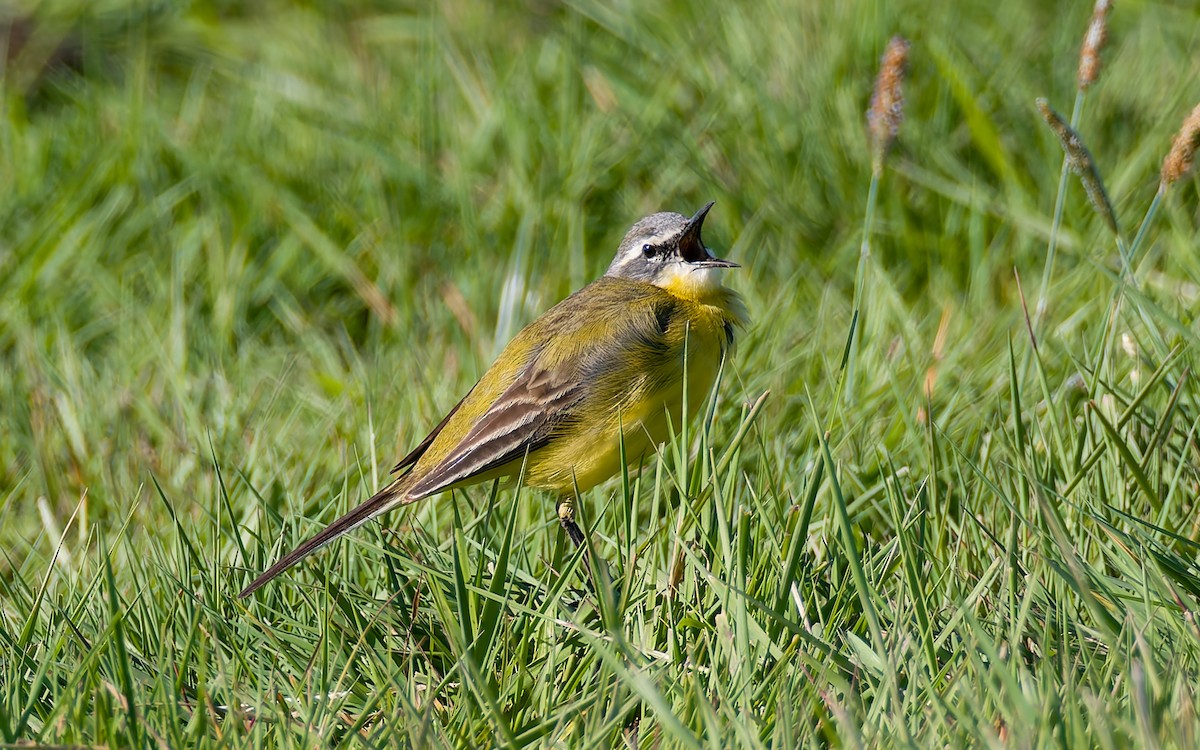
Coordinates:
603 368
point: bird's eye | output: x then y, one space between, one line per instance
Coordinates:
649 251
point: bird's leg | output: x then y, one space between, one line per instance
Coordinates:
566 518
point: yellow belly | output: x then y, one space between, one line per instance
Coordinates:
584 457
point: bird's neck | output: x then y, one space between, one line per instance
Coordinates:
702 286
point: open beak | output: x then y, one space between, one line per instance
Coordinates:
691 246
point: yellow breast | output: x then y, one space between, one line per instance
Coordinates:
637 402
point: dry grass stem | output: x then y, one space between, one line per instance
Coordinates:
1093 43
1182 156
887 102
1080 161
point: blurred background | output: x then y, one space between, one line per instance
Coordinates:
284 237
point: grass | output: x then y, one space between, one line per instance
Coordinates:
248 256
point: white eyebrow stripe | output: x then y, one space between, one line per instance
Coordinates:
636 250
659 239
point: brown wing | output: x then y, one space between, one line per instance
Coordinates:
550 389
521 420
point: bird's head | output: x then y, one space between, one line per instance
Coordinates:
666 250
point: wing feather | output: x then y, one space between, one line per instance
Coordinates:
521 420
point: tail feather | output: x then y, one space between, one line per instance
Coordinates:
381 502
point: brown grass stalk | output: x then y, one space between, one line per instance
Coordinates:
1182 156
1080 161
887 102
1093 43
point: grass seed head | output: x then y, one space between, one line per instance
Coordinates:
887 102
1080 160
1093 43
1182 156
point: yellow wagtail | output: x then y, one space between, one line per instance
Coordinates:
605 364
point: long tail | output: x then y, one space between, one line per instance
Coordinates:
387 498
